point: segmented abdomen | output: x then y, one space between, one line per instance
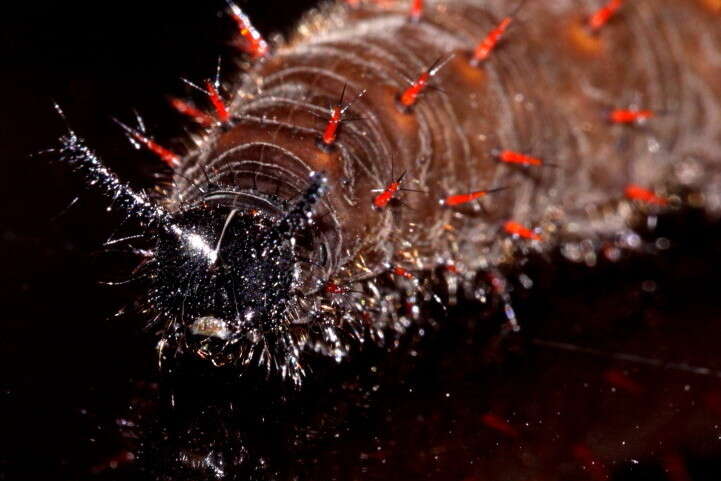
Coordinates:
532 117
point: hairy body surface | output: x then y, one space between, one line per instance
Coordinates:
476 136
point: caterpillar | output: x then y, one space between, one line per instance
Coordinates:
389 151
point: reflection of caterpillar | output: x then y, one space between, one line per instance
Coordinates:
256 258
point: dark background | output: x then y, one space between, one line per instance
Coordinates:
80 390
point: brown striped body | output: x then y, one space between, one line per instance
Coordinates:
279 239
545 90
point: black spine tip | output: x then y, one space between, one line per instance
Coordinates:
97 176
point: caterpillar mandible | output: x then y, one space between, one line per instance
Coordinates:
389 148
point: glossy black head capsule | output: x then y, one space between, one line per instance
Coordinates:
226 276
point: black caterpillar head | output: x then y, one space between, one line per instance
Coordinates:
222 275
225 277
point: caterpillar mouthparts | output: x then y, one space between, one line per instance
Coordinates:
303 223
